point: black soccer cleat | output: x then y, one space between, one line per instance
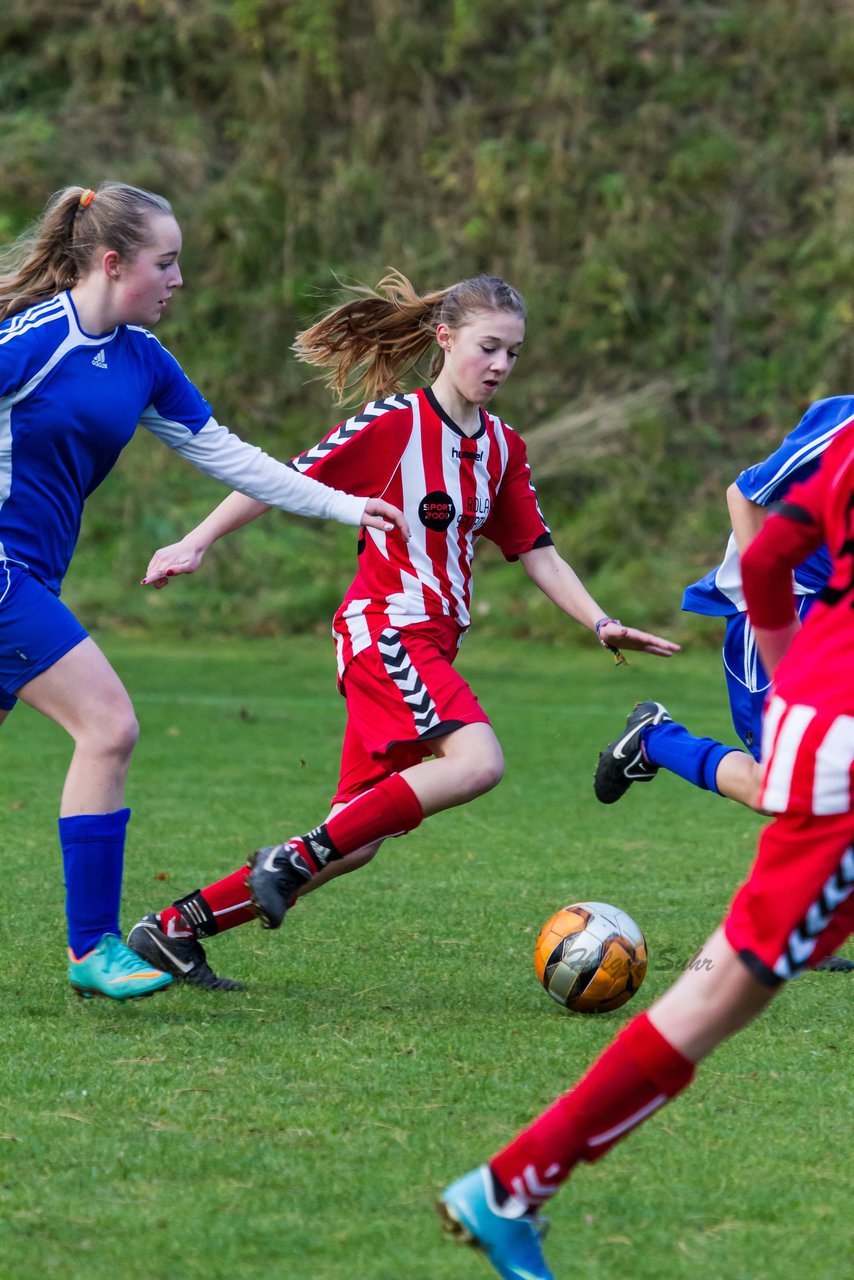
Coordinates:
278 871
835 964
622 762
184 958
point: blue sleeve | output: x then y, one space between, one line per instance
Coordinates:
174 398
798 455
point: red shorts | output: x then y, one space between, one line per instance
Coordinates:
402 694
797 905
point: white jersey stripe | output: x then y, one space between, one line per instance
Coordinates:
833 760
770 722
778 778
455 542
407 606
346 430
413 479
357 627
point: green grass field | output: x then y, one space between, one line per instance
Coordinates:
394 1034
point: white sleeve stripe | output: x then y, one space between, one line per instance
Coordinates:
219 453
805 454
345 432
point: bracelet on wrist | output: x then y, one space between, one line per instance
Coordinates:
619 660
602 623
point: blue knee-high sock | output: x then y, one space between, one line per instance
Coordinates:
671 746
93 848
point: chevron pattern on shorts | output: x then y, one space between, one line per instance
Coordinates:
803 938
347 430
399 666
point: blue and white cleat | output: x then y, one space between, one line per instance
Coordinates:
111 969
512 1244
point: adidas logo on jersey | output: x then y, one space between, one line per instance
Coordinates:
100 360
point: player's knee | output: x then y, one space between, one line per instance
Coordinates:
115 734
484 774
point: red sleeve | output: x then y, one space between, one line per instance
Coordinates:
359 455
793 530
515 523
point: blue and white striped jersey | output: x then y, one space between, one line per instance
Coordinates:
70 402
719 593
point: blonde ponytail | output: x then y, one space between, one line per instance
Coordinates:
370 341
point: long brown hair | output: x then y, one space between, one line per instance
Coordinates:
368 342
60 246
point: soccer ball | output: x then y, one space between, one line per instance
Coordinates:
590 957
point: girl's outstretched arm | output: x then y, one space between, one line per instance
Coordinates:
559 581
233 513
185 556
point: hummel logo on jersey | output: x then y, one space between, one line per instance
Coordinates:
100 360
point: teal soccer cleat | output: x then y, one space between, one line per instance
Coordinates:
111 969
512 1244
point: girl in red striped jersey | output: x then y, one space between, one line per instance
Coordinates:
417 740
795 907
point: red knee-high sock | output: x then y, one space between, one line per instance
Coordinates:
391 808
388 809
222 905
636 1075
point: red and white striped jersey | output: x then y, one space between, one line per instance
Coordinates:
808 759
452 489
808 726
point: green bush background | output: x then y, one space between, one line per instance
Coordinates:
671 185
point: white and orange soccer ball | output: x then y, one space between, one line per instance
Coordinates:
590 957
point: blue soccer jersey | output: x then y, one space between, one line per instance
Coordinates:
719 593
70 402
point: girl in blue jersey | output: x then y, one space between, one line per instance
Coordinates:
651 740
79 369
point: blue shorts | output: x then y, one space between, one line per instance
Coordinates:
36 630
746 678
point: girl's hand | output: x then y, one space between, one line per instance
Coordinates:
180 557
379 514
614 635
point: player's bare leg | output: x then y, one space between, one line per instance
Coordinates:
711 1000
739 777
652 740
467 763
83 695
496 1207
350 862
